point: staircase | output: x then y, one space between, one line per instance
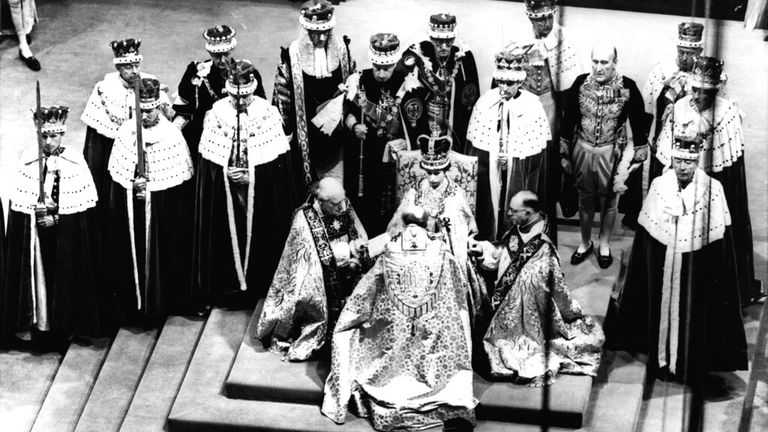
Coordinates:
209 374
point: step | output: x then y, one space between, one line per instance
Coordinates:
117 381
72 386
25 379
163 376
201 406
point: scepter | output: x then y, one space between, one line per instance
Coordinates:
503 169
40 160
238 162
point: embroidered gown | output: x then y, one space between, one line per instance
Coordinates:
309 289
528 271
402 345
447 201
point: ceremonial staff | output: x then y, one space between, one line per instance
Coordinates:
40 159
140 165
238 161
503 170
362 141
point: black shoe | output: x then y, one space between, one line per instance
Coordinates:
31 62
604 261
579 257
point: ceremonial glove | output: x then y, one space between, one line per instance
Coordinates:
395 147
46 221
140 187
180 122
502 160
474 248
360 130
238 175
566 164
41 211
641 154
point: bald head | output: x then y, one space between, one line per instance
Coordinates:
415 215
525 199
604 58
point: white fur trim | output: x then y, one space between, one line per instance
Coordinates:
233 233
509 75
243 89
130 58
261 126
221 47
317 26
132 237
77 191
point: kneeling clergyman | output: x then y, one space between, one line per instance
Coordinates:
680 303
402 345
320 265
149 212
245 195
530 288
50 286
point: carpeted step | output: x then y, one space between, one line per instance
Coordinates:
163 376
72 386
25 379
117 381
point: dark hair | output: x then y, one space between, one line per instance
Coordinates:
532 203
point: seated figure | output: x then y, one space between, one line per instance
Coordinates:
529 287
449 214
319 267
402 345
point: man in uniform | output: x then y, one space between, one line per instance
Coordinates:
553 64
593 145
374 120
718 121
51 286
449 84
530 287
203 84
150 213
680 303
322 261
245 195
308 75
509 132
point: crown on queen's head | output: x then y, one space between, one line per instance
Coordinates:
149 93
510 64
687 147
540 8
707 72
317 15
384 49
690 35
442 26
53 119
434 149
126 51
241 78
220 39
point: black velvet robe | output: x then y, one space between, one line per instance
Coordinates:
214 279
324 150
377 205
199 100
165 285
76 303
465 95
715 340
